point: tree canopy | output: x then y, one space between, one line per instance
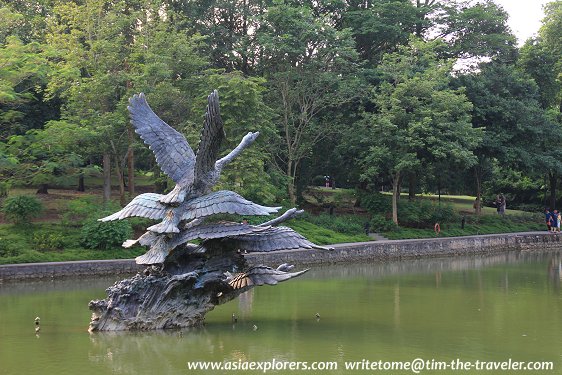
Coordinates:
368 92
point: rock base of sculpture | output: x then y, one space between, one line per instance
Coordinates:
178 293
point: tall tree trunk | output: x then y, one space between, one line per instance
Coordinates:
395 194
478 202
419 25
121 179
553 179
106 177
439 189
131 162
43 189
411 186
81 185
291 183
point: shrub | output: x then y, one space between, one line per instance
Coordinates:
77 210
376 203
379 223
528 207
48 241
424 213
346 224
7 250
22 208
319 180
105 235
4 189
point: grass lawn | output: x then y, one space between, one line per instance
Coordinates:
489 221
490 225
462 203
55 235
39 243
324 236
319 196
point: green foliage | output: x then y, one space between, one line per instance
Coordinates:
79 209
376 203
48 241
21 209
343 197
418 213
516 186
17 245
318 180
303 90
424 123
475 225
105 235
323 236
380 223
423 213
298 72
7 249
528 207
4 188
346 224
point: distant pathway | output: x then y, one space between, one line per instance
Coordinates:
378 237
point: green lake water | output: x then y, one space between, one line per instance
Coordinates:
493 308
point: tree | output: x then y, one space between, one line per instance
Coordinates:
243 110
541 58
419 121
379 26
309 67
23 70
471 29
50 155
104 52
228 28
507 109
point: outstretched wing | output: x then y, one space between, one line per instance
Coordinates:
173 154
144 205
217 230
223 202
211 137
261 275
273 238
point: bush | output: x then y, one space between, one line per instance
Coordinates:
48 241
528 207
319 180
346 224
77 210
379 223
424 213
7 250
22 208
105 235
4 189
376 203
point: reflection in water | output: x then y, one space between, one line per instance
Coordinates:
65 284
245 303
434 265
555 271
483 307
132 353
397 305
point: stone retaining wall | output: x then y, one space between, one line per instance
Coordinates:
353 252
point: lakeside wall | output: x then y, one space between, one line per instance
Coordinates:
351 252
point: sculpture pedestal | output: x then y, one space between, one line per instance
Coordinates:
176 295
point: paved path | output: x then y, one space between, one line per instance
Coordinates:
378 237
